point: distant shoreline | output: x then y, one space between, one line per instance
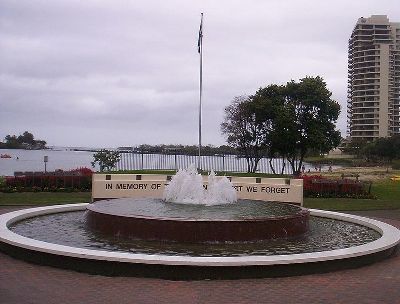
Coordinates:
55 149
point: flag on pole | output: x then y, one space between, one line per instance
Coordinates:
200 40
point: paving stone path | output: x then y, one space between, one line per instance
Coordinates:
22 282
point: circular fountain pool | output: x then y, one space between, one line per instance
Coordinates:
69 228
57 236
155 219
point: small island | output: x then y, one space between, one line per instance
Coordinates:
25 141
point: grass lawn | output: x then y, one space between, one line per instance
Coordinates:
343 204
386 191
43 198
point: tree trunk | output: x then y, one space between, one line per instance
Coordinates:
291 162
298 170
255 165
271 166
248 164
283 166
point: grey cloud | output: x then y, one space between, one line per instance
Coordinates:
109 73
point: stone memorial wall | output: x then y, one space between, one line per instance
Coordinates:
151 185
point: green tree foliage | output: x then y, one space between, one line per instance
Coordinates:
355 147
26 137
280 134
382 149
246 130
283 121
11 142
24 141
312 115
106 159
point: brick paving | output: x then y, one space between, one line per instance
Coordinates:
21 282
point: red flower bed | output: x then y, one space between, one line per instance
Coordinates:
83 171
318 186
79 179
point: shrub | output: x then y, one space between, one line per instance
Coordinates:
2 182
79 179
396 164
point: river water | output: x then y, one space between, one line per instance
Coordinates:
33 160
67 159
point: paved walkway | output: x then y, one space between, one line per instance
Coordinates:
21 283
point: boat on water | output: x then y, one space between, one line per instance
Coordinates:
5 156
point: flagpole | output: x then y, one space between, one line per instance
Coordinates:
200 46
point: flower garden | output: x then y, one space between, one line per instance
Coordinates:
319 186
76 180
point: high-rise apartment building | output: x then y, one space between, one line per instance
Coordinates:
374 79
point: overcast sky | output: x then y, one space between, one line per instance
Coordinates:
123 73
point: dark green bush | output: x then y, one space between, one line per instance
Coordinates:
396 164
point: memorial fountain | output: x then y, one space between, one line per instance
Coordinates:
192 213
198 230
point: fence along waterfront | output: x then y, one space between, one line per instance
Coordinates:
230 163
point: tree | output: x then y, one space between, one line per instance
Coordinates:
26 138
244 130
355 147
311 115
283 121
271 110
383 149
106 159
12 142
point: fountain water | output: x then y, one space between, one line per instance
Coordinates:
186 187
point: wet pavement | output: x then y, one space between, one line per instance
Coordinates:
22 282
